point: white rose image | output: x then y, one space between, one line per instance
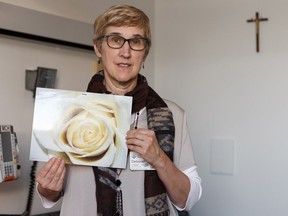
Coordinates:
84 130
89 135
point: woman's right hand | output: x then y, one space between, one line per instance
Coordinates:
50 179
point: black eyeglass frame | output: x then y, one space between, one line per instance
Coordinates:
147 41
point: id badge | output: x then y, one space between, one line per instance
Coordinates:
138 163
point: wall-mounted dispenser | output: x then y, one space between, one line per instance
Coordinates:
41 77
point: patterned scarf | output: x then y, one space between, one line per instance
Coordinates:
160 120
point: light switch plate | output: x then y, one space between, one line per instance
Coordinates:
222 156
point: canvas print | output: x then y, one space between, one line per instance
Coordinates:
80 127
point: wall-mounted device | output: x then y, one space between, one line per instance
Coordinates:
41 77
9 152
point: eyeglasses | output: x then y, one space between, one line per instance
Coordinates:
116 42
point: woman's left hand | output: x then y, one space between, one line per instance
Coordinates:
144 142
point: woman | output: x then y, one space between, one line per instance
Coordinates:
159 135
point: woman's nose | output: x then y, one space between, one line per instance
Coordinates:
126 50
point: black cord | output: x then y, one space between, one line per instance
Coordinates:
31 190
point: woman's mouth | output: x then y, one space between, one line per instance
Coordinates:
124 65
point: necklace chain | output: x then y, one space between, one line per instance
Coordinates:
118 172
119 202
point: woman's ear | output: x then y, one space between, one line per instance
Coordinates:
97 50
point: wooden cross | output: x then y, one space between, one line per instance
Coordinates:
257 21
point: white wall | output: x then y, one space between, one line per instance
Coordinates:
205 60
75 69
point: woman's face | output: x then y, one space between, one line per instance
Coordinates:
121 66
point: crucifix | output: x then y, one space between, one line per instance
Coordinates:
257 21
